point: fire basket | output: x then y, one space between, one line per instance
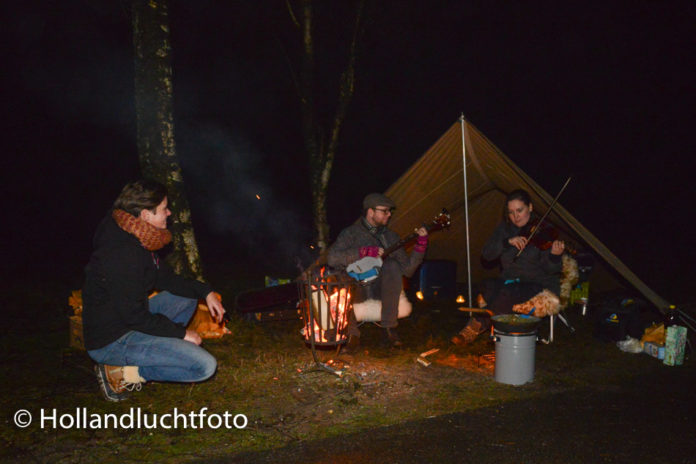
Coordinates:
325 300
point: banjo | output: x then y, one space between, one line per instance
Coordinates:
367 269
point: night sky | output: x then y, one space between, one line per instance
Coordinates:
602 91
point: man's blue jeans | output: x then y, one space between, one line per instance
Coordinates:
163 359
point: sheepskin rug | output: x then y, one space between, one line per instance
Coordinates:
371 310
547 303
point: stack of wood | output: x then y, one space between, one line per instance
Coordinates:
203 323
76 338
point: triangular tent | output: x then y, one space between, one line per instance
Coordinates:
436 181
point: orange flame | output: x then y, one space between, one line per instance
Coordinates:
335 306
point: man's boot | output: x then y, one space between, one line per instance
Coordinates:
352 346
392 338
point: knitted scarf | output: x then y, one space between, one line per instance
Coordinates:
151 238
377 231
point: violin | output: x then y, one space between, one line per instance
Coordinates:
543 235
533 231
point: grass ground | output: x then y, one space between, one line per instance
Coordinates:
267 373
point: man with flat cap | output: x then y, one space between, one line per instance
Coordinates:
370 236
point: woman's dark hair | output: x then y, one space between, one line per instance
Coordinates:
139 195
518 194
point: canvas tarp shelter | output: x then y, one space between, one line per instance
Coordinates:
435 181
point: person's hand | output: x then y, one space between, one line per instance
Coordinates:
193 337
215 307
557 247
518 242
371 251
422 240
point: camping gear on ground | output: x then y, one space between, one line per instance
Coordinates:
671 316
675 342
580 295
274 303
618 317
630 345
654 334
677 316
515 337
514 356
436 279
655 350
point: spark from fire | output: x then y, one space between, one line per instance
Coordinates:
258 197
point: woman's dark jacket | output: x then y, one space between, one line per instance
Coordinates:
118 279
533 265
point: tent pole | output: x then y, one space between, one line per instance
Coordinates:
466 212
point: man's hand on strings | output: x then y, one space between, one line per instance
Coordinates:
371 251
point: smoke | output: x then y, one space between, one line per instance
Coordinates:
232 190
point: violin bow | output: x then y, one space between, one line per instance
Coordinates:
553 203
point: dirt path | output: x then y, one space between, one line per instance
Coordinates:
647 420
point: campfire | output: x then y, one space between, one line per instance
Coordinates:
326 304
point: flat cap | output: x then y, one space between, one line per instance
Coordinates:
377 199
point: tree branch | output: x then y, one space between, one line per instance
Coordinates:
292 14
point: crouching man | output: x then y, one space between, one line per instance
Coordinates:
132 338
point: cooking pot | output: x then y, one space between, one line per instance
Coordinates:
515 323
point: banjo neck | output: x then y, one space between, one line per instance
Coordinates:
440 222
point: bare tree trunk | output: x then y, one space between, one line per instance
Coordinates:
155 121
321 151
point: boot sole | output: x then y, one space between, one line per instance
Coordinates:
104 387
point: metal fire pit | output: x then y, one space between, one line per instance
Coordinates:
325 301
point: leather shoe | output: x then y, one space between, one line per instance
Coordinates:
468 334
393 338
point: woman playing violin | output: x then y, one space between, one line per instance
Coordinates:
527 267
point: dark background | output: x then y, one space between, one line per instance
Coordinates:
603 91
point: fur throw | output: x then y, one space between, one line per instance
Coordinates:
547 303
371 310
569 278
